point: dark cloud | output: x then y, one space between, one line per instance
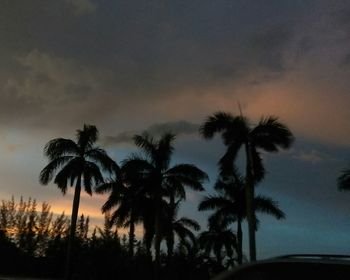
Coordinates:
345 62
178 128
156 130
121 138
73 61
151 45
268 47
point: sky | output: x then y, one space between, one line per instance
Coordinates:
130 66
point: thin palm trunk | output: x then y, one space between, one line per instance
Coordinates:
239 241
170 238
170 244
218 256
74 217
249 189
148 244
157 240
132 234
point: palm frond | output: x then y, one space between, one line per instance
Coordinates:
134 165
258 167
60 147
231 187
237 133
223 217
343 180
229 242
185 234
270 135
216 123
47 174
71 171
146 143
87 137
106 187
122 215
188 170
113 200
226 163
103 160
194 179
213 202
267 205
175 187
189 223
92 176
165 150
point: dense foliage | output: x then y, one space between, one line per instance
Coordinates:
33 243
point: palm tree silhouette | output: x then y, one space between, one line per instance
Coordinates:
127 197
158 177
217 238
78 163
268 135
230 206
182 227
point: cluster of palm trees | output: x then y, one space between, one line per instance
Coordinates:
238 133
146 189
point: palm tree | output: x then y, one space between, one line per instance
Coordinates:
268 135
182 227
216 239
78 163
230 206
126 196
344 180
158 176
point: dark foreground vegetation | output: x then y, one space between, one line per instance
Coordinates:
35 241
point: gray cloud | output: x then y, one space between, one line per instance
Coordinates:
121 138
83 7
268 47
177 127
153 48
60 68
345 62
312 156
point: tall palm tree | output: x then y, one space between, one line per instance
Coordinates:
127 197
182 227
268 135
158 176
75 163
216 239
230 206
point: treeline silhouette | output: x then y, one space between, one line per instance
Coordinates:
146 189
33 242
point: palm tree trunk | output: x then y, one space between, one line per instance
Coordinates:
148 243
148 229
249 189
74 217
157 240
239 241
218 256
170 237
131 235
170 244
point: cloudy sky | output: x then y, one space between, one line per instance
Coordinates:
127 66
